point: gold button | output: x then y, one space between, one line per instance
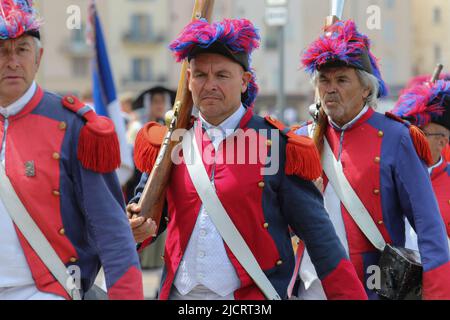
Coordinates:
376 192
448 201
62 231
70 100
56 156
266 225
269 143
56 193
62 125
73 259
377 160
261 184
381 134
279 262
380 222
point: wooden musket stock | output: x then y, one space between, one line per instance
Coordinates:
153 197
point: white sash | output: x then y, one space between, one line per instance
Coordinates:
34 235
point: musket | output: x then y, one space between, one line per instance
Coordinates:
320 118
437 73
337 11
153 197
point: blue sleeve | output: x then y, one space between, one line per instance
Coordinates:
302 206
139 188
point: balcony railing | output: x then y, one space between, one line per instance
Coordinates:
145 39
75 48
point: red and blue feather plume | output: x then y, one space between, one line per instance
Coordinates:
238 35
16 18
423 103
342 43
418 80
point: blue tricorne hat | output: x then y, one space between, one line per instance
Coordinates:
426 103
343 45
233 38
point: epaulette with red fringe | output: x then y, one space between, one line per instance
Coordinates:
98 145
418 137
302 156
148 143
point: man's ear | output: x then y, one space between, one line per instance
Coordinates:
39 58
188 75
246 78
366 93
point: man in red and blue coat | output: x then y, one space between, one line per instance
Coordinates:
382 158
427 105
262 205
60 158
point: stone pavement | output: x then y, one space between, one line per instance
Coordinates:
151 280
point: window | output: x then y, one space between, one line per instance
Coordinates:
79 35
80 67
390 4
389 32
271 40
141 69
437 15
437 54
141 27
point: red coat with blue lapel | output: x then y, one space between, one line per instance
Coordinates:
80 212
382 165
440 178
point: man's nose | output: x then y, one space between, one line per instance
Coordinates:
13 61
211 83
330 88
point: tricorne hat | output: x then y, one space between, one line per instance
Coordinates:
233 38
17 17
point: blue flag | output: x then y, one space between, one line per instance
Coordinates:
105 97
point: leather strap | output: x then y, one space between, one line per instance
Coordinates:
34 235
220 217
349 198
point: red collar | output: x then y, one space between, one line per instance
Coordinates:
359 122
198 129
439 170
246 118
30 106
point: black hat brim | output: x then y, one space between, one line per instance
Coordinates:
138 103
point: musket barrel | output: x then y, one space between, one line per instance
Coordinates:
437 73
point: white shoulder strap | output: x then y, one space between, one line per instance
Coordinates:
349 198
220 218
34 235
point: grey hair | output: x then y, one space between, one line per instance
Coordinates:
370 81
367 80
38 46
